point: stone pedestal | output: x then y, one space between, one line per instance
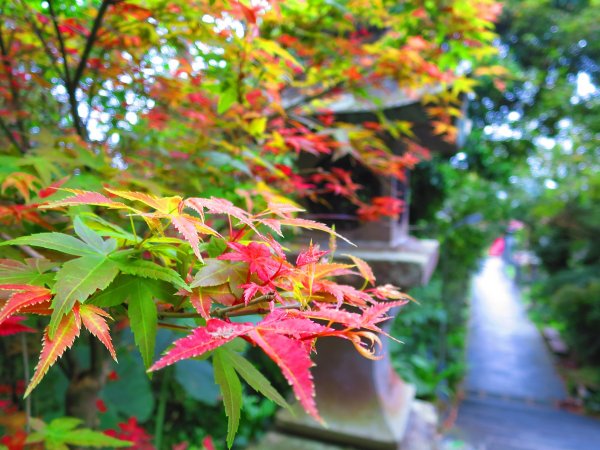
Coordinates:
364 403
406 265
421 434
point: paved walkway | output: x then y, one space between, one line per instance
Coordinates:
512 388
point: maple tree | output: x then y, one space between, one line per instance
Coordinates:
116 115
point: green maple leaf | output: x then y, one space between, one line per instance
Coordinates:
143 319
148 269
76 281
59 242
64 431
231 389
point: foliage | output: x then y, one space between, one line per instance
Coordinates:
244 277
577 306
64 431
117 115
431 355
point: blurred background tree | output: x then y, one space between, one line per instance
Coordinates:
532 155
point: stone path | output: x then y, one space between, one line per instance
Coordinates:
512 388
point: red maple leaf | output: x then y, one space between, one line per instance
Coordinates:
310 256
48 191
101 406
17 441
287 339
203 339
220 206
293 359
25 295
251 289
380 206
13 325
131 431
208 444
367 319
342 293
259 258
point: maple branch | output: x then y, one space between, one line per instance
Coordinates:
12 83
241 76
38 32
63 366
10 136
61 43
170 326
177 315
96 356
243 310
261 310
91 40
68 365
238 233
24 248
225 311
71 89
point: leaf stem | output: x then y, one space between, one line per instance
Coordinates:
133 227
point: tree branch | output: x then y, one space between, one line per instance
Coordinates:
177 315
91 93
96 356
225 312
240 309
66 71
261 310
61 44
14 90
24 248
170 326
10 136
71 88
91 40
38 32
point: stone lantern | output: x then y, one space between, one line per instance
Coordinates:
364 403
